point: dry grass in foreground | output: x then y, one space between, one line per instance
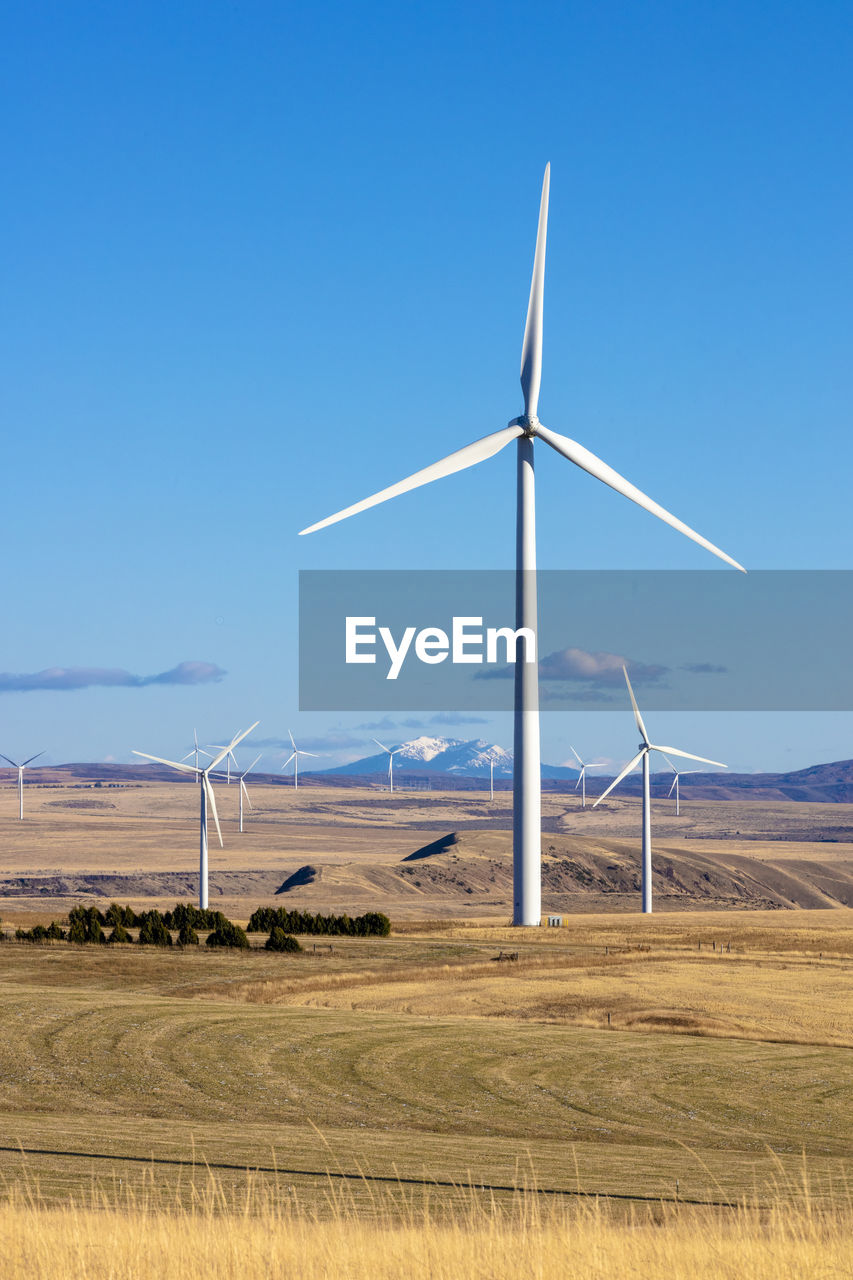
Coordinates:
256 1235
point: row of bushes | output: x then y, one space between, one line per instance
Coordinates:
373 924
86 925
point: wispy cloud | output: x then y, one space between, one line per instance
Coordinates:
68 678
591 670
704 669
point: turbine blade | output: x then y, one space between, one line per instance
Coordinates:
587 461
252 765
292 756
211 800
245 793
312 754
575 754
615 783
669 762
292 743
458 461
14 763
233 743
672 788
379 744
32 758
531 350
173 764
686 755
637 716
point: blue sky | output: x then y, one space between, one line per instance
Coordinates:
261 260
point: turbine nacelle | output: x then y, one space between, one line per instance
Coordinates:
529 424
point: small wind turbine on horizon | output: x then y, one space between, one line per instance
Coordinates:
206 797
243 788
196 751
391 755
646 749
294 756
679 773
525 430
21 767
581 782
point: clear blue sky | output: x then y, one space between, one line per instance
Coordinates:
259 260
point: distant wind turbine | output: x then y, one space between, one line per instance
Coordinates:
294 756
21 767
206 797
244 791
646 748
527 784
581 782
196 751
391 755
679 773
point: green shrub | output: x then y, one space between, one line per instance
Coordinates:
85 925
187 936
153 931
55 932
227 934
281 941
119 933
119 915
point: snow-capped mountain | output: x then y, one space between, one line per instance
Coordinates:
445 755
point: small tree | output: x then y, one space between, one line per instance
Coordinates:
55 932
153 931
187 936
119 933
227 934
281 941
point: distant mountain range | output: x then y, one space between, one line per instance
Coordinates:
441 756
451 764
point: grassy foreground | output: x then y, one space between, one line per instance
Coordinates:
254 1236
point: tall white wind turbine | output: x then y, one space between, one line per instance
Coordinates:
581 782
21 767
646 749
243 788
206 797
527 852
679 773
294 756
229 756
391 755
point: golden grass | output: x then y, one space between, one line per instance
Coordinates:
259 1233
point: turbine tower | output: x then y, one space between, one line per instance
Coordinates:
21 767
581 782
391 755
229 756
646 749
206 797
525 430
243 789
294 756
679 773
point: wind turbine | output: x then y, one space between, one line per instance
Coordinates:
527 841
206 797
679 773
21 768
294 756
196 751
491 778
646 749
391 755
243 789
581 782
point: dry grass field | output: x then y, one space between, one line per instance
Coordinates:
417 1097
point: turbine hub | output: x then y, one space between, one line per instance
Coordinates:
528 423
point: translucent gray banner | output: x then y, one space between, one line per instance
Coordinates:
692 641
